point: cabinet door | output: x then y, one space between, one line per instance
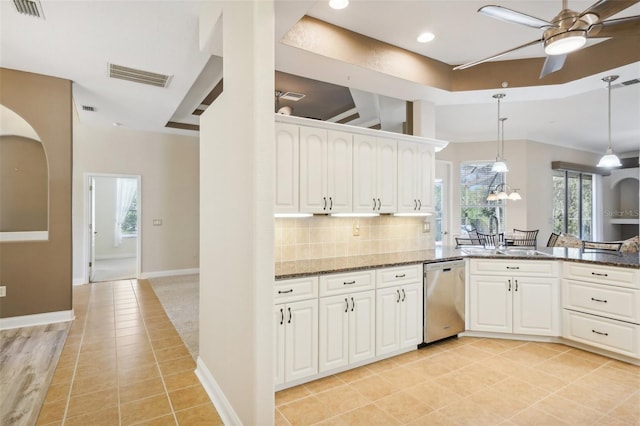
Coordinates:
333 332
536 308
279 346
411 315
425 167
340 171
313 170
364 174
490 303
387 176
387 320
362 338
407 201
287 172
301 353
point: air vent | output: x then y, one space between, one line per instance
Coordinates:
138 76
292 96
88 108
29 8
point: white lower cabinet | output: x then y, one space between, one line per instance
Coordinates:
519 304
296 340
346 329
398 318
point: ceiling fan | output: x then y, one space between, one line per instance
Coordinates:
568 31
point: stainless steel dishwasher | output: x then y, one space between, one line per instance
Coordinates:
443 299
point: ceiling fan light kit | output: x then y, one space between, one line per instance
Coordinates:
567 32
609 159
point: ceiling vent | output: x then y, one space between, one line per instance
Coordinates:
138 76
29 8
626 83
88 108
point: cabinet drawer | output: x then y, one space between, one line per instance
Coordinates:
612 335
624 277
614 302
295 289
346 283
533 268
390 277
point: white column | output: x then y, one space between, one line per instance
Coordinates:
237 163
424 119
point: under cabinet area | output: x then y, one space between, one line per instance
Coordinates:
601 307
514 296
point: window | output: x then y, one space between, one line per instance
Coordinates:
476 182
130 224
437 196
573 203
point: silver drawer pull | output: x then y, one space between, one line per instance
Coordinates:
285 291
600 333
599 300
401 276
599 275
513 267
349 282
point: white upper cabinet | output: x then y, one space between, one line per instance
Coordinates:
287 161
325 171
374 174
415 177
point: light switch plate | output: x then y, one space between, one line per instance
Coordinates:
3 291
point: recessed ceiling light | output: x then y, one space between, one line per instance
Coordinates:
426 37
338 4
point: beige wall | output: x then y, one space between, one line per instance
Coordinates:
38 274
24 185
321 237
168 165
529 170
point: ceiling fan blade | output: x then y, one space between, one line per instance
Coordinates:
508 15
479 61
605 8
553 63
623 27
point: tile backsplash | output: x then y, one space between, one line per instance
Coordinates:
321 237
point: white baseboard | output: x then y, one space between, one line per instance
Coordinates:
78 281
217 397
36 319
170 273
116 256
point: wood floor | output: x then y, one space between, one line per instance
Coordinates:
28 357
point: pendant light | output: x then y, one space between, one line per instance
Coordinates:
500 166
609 159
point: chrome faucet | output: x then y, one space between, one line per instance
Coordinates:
493 225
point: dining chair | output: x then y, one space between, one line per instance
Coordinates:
472 240
607 247
552 239
492 240
523 238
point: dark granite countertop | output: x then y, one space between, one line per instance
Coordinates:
294 269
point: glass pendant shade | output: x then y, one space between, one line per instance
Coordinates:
500 166
492 197
502 195
609 160
514 196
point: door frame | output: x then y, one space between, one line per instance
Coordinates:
447 193
88 226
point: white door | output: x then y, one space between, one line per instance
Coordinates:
387 176
333 332
114 204
287 163
491 303
535 306
364 174
424 177
410 320
301 353
339 171
313 170
387 316
362 320
407 201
